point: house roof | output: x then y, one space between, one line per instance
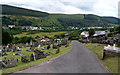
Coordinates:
97 33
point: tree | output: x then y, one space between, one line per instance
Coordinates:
6 38
118 29
112 30
91 32
46 36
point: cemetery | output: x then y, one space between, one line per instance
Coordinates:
19 56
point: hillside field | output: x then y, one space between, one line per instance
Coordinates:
49 34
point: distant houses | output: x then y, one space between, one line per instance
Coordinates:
96 27
23 27
97 33
45 40
31 28
8 27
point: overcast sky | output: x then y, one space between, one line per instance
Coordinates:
98 7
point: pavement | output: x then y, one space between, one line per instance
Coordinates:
79 60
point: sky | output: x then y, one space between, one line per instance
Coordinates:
97 7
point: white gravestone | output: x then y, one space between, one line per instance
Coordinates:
39 46
112 48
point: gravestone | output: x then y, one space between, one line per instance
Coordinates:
58 50
19 49
48 47
0 54
14 48
33 57
18 53
8 63
44 48
39 46
4 54
25 59
29 50
39 54
3 50
55 46
47 54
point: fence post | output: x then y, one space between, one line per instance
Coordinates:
104 54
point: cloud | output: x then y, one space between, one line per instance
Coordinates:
98 7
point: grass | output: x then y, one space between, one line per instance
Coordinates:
111 62
49 34
21 65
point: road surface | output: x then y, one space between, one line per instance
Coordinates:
79 60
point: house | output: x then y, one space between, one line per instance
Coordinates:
45 40
11 26
33 28
100 33
66 34
85 34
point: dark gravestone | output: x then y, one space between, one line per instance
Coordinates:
25 59
32 57
3 50
9 50
39 54
8 63
3 54
58 50
18 53
0 54
48 47
29 50
47 54
14 49
55 46
0 64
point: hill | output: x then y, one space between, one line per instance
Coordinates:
25 17
12 10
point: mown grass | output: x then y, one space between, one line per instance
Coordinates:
49 34
21 65
110 62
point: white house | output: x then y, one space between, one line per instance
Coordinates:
45 40
85 34
11 26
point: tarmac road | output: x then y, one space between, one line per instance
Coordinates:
79 60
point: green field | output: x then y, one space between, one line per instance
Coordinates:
49 34
111 62
21 65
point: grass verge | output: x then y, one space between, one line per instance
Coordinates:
110 62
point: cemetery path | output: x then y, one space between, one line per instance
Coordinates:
79 60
